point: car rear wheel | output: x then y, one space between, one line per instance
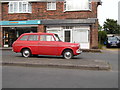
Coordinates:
68 54
26 53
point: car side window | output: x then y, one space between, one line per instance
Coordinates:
46 38
24 38
33 38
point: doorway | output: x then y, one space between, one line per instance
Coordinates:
9 36
67 33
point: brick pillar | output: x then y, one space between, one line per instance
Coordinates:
40 28
94 36
1 41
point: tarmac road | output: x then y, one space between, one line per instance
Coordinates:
31 77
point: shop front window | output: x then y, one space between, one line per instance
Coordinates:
11 34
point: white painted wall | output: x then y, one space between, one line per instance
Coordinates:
79 35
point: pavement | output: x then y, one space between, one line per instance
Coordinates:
56 62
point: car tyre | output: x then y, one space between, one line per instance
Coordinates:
26 53
68 54
108 46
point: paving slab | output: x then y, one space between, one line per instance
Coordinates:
58 63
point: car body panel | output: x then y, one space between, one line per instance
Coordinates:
45 47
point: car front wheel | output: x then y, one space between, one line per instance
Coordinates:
68 54
26 53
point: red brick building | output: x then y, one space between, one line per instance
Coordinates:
73 20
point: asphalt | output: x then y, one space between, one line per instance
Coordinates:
74 63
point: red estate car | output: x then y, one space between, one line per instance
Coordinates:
45 44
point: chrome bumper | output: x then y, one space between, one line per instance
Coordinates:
78 51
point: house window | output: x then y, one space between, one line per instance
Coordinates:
51 6
20 7
77 5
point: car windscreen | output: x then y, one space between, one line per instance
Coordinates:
57 37
112 39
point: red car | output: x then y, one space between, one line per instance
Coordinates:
45 44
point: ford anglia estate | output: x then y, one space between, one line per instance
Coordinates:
29 44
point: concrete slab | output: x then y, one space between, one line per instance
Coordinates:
60 63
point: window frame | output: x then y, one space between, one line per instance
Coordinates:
18 8
51 7
89 7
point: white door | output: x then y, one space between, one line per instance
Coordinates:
82 36
67 35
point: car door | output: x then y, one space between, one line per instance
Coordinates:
47 45
32 42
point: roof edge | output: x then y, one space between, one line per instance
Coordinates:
5 1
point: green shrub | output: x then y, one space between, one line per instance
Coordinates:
102 36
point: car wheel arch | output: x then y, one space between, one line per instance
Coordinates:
65 50
25 48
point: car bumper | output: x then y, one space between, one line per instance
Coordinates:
78 51
113 45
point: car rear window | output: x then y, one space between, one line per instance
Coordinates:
24 38
33 38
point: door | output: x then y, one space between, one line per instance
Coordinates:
5 38
47 45
67 33
32 42
9 36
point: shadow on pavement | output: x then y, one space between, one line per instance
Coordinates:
50 57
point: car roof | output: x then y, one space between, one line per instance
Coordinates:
38 34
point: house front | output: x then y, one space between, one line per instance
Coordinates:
74 21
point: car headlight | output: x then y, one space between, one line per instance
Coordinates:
109 42
117 42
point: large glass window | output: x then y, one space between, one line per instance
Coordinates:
77 5
20 7
51 6
46 38
81 36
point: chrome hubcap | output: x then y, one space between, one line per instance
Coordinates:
68 55
26 53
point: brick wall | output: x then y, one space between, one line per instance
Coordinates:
39 12
40 28
94 35
0 26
